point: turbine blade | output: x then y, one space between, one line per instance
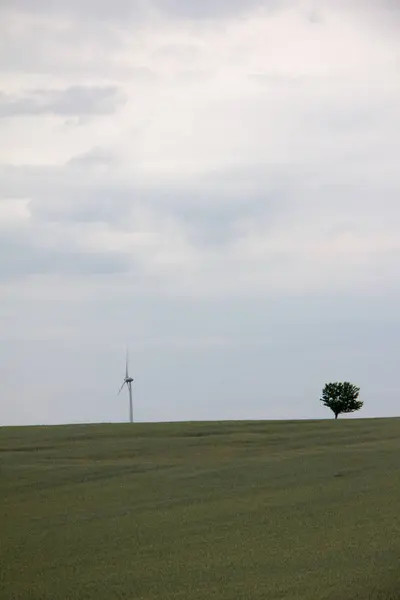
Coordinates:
120 389
127 358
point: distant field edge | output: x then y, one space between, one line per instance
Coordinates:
199 423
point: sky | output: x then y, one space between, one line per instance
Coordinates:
214 184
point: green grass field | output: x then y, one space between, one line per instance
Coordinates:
194 511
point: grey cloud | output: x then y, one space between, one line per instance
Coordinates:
137 9
57 194
69 194
209 209
313 16
72 101
95 9
57 50
93 205
94 157
210 8
91 24
25 254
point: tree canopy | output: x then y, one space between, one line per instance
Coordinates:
341 397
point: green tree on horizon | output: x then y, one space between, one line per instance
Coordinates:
341 397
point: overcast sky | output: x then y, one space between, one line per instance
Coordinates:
215 184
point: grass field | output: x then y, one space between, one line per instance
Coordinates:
194 511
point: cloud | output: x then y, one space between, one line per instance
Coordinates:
220 234
209 9
29 249
125 9
231 211
72 101
92 158
139 10
95 10
22 258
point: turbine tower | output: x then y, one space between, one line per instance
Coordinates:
128 382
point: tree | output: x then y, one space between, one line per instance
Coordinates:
341 397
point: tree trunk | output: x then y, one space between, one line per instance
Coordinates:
336 415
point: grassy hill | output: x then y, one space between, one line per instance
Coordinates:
193 511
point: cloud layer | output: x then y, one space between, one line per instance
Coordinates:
215 184
72 101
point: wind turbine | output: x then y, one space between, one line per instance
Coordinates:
128 382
